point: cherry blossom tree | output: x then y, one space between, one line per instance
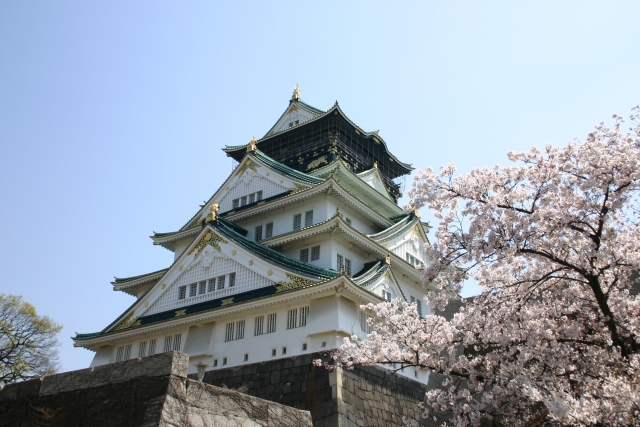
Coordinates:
554 242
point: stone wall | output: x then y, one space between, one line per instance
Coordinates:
364 396
152 391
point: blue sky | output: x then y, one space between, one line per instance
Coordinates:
112 114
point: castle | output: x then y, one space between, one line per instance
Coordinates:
277 262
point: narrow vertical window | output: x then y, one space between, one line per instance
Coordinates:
177 339
224 360
152 347
297 221
232 280
386 295
192 289
273 352
419 307
304 255
252 198
259 196
220 283
243 201
215 362
236 203
259 326
228 336
271 323
284 350
168 343
202 287
212 285
339 262
308 218
269 231
304 313
240 329
142 349
347 266
119 354
182 292
315 253
258 234
292 318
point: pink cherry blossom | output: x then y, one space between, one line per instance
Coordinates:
554 242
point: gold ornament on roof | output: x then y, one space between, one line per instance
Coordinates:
247 165
375 164
128 322
295 283
208 239
387 259
253 144
213 211
296 92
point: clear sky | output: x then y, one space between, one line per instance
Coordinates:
112 114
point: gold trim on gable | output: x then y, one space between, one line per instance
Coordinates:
210 238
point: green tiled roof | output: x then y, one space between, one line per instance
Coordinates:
308 107
285 170
373 272
403 223
271 255
119 280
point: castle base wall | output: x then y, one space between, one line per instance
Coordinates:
364 396
148 392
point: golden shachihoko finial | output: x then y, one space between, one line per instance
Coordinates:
213 211
296 92
253 144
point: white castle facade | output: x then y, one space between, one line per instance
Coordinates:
279 260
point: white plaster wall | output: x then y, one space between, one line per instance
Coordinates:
181 245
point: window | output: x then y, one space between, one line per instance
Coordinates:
413 260
324 344
347 266
239 329
268 231
297 221
215 362
308 218
271 323
418 305
386 295
284 350
304 313
192 289
228 335
232 280
142 349
243 201
258 234
304 255
123 353
236 203
292 318
152 347
246 357
364 323
224 360
168 343
202 287
259 196
304 346
273 352
212 285
177 338
259 326
234 331
252 198
348 220
315 253
297 318
182 292
220 283
339 262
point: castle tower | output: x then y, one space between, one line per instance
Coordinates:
277 262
